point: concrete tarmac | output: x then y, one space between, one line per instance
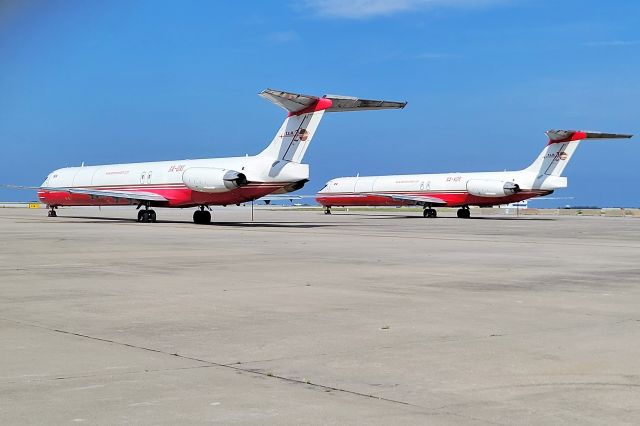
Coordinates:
302 318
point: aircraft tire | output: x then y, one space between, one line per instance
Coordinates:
201 217
463 213
430 213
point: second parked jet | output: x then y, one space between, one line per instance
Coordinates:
462 190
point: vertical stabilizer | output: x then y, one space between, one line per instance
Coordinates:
293 138
562 145
305 112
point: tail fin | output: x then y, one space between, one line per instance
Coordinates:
305 112
561 147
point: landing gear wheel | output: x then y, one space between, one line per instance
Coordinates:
464 213
431 213
202 217
327 210
146 216
52 213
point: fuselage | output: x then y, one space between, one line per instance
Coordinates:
455 189
165 178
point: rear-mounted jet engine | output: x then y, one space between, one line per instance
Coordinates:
208 179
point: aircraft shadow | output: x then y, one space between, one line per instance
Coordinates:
397 216
300 225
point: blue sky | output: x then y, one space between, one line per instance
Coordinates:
124 81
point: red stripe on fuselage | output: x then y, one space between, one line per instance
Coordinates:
452 199
178 196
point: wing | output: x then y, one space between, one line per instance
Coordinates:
419 200
128 195
280 197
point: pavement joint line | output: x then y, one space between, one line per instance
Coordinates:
232 366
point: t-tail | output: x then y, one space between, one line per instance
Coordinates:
553 159
305 112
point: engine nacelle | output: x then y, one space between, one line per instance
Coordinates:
491 188
209 179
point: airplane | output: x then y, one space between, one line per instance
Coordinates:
462 190
278 169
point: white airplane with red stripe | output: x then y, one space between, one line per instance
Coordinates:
201 183
462 190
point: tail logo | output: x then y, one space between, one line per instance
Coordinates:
303 134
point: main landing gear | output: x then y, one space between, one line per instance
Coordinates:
202 216
146 215
464 213
52 212
327 210
429 212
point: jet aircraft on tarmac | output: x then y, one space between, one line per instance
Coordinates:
462 190
278 169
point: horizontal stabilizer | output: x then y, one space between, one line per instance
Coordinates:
296 103
560 136
347 103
